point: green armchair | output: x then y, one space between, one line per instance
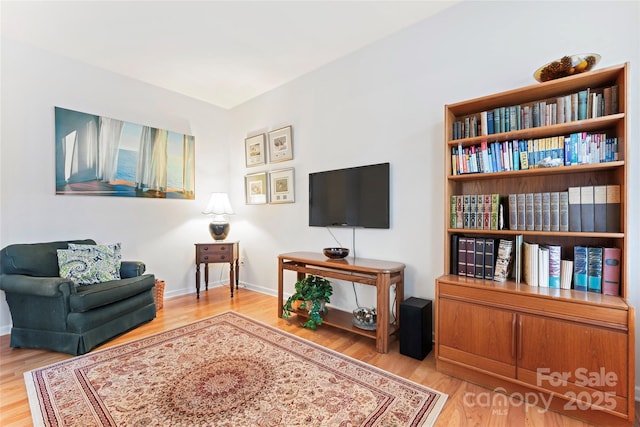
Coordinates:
51 312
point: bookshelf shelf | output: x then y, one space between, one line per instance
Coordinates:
587 125
559 170
526 233
513 327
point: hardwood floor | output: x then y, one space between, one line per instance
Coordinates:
467 405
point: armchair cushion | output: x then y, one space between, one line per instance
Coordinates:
87 298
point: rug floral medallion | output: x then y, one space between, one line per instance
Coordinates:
227 370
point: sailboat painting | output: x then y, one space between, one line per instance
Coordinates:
101 156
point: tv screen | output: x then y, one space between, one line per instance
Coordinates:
351 197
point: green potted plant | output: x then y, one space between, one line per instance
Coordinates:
314 293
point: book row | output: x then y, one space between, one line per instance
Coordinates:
593 269
579 148
581 209
589 208
477 211
585 104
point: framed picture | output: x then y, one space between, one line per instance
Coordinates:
103 156
281 186
256 188
280 145
254 151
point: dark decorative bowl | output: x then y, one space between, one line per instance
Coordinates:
335 253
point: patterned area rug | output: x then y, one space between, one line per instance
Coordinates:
227 370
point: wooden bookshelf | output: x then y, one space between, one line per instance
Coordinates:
514 335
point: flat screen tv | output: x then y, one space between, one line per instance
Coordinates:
351 197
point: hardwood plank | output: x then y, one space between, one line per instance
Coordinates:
466 404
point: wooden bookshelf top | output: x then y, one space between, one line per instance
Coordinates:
540 91
364 265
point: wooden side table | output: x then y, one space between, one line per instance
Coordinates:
216 252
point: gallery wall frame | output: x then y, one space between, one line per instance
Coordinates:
280 145
102 156
256 189
282 186
254 150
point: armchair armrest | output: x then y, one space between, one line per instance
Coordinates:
132 269
36 286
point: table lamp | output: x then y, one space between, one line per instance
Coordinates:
219 206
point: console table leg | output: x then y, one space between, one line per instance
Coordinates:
382 297
280 292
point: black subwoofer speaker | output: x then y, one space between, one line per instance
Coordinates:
415 327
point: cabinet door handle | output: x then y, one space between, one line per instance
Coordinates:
519 337
513 335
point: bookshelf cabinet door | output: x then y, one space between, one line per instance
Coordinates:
578 360
477 335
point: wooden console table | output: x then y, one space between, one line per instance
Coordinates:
381 274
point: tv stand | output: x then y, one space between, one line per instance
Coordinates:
381 274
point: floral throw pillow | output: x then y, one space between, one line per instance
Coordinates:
89 264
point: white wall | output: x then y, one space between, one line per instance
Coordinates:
157 231
383 103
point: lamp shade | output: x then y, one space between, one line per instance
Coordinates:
219 204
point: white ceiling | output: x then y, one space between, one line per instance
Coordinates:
222 52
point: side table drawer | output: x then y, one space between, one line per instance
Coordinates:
215 253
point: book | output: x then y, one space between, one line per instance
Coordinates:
495 208
580 268
470 256
563 210
513 211
613 209
489 257
473 210
466 210
582 104
459 211
611 258
462 256
503 260
543 267
555 254
453 253
594 269
546 211
479 258
452 211
487 212
530 263
520 200
575 216
600 208
480 211
554 211
586 208
566 272
528 209
517 258
537 211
